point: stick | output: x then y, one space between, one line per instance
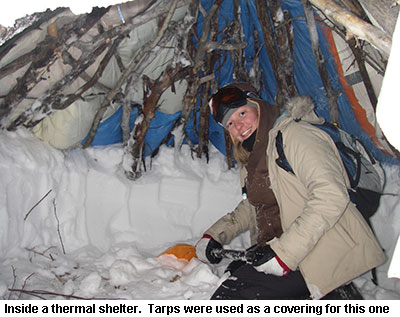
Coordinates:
58 225
26 216
23 286
14 280
41 253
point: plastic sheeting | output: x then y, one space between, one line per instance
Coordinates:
110 131
306 75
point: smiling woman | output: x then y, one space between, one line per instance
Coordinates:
243 122
296 220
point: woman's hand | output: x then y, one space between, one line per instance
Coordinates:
265 260
205 247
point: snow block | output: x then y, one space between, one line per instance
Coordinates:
180 191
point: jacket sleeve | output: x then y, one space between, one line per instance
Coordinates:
317 165
234 223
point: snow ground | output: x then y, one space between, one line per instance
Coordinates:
72 226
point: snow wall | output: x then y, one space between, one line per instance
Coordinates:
80 200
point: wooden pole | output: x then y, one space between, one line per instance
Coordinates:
355 26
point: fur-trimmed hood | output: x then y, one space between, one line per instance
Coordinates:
301 108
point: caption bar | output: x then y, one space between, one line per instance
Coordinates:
202 308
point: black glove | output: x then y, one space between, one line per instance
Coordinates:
205 248
265 260
259 255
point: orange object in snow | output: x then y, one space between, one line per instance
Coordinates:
182 251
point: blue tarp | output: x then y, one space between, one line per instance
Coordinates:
110 132
306 75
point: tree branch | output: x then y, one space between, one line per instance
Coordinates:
133 63
355 26
28 213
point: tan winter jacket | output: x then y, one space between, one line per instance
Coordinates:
324 234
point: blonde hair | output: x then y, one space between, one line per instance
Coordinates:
239 152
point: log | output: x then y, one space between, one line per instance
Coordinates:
355 26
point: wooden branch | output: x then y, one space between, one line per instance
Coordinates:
331 94
236 33
44 54
29 212
377 61
190 98
133 63
158 11
255 69
267 31
211 46
58 226
355 26
134 148
14 280
202 49
97 84
180 32
35 56
125 122
24 284
204 91
32 76
53 97
94 79
50 51
41 253
45 16
284 38
202 146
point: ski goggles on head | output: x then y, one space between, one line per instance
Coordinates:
227 99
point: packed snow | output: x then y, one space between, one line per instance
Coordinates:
73 226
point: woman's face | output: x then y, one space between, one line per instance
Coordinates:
243 122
